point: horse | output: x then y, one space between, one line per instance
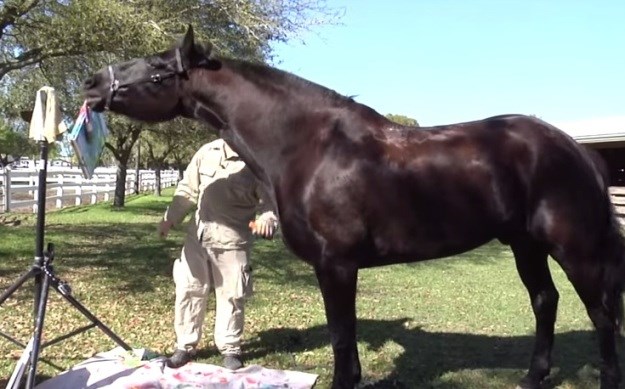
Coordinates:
354 190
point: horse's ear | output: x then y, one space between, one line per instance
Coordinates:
202 57
194 54
204 49
187 45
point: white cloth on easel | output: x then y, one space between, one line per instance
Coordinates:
46 122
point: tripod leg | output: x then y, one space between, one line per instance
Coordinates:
62 289
41 313
20 368
17 284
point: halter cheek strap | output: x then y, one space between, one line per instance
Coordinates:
179 68
112 88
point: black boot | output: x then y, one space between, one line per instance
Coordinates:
179 358
232 361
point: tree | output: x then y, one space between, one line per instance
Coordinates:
13 145
403 120
123 136
162 147
59 43
33 32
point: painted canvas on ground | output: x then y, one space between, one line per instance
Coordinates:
121 370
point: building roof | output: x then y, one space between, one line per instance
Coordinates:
601 130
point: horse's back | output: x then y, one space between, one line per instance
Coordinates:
426 193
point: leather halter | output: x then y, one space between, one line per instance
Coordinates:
155 78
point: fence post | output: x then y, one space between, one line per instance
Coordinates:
78 190
130 184
107 188
35 193
7 189
94 190
145 181
59 191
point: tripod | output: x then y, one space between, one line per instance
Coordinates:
43 273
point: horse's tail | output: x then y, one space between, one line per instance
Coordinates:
613 250
612 247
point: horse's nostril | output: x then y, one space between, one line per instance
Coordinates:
89 82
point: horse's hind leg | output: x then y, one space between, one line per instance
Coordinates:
603 304
531 263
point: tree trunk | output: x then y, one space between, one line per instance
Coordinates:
157 186
120 186
137 168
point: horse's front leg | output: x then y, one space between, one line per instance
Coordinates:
337 281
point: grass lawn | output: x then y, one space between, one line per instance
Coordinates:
461 322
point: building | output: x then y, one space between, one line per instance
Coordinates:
607 137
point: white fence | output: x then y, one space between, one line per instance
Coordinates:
67 186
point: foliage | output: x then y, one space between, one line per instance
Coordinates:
13 144
60 43
403 120
52 33
460 322
35 31
162 143
123 134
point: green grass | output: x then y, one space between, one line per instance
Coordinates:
461 322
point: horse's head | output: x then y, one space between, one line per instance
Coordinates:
151 88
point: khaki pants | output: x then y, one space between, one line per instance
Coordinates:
196 272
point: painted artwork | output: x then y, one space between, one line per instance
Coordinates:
87 138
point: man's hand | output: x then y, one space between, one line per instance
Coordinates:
164 227
265 226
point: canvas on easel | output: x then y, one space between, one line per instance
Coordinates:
87 137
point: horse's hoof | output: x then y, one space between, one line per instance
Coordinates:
527 383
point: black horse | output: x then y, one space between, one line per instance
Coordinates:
354 190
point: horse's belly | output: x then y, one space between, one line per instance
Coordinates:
408 242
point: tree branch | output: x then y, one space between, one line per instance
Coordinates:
33 57
10 13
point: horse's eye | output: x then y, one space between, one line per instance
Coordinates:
156 78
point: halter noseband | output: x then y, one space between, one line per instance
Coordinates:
156 78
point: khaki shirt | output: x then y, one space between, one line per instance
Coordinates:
226 193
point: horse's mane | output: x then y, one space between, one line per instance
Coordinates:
263 74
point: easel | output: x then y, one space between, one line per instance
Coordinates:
42 271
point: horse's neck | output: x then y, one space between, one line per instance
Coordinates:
259 118
273 122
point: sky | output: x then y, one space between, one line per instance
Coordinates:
447 61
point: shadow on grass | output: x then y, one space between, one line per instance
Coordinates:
131 205
429 355
273 263
136 205
131 254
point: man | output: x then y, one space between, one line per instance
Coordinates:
216 249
